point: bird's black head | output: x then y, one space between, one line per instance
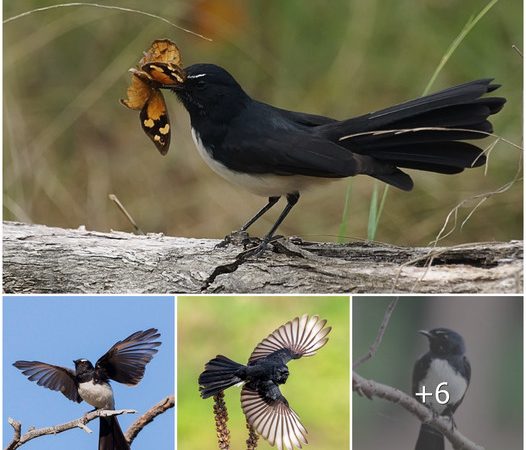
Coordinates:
82 366
210 91
281 374
443 341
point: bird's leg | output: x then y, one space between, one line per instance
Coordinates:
271 202
231 237
292 199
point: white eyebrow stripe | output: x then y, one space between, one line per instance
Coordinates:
199 75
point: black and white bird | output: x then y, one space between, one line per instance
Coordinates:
273 152
444 362
124 362
265 408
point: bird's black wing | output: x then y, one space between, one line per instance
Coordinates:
305 119
56 378
285 151
273 419
302 336
467 369
126 360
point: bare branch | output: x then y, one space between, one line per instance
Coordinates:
372 388
379 336
19 439
137 426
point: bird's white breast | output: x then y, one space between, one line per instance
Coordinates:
98 395
441 371
266 185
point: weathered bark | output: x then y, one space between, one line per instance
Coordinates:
40 259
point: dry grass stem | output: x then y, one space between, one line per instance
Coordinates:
96 5
252 441
115 200
221 418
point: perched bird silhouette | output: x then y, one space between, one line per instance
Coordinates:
265 408
445 362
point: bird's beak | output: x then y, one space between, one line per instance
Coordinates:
177 87
426 333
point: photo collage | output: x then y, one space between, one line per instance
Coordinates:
262 224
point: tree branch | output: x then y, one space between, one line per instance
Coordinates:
19 439
379 336
40 259
137 426
372 388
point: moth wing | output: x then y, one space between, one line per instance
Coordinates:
138 93
162 50
155 121
166 74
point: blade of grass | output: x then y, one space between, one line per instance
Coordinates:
96 5
373 214
371 228
342 231
458 40
381 208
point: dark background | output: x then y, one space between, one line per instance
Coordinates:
491 413
68 143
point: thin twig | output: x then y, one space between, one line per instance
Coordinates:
114 199
479 198
379 336
221 419
20 439
137 426
371 388
96 5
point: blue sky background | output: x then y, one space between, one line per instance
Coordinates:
58 330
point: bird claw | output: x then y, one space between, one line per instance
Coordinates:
258 248
237 238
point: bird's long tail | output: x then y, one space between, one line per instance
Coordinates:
111 436
220 373
429 439
423 134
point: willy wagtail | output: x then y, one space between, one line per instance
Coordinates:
124 362
265 408
444 362
273 152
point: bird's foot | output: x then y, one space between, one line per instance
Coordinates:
237 238
258 247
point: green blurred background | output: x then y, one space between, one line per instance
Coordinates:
317 389
492 411
68 143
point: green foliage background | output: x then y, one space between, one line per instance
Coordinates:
68 143
318 386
